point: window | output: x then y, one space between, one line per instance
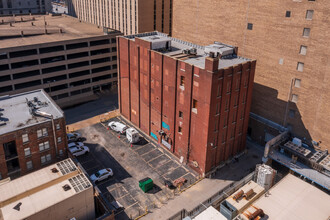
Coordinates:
297 83
217 109
180 114
59 140
294 98
281 61
249 26
29 165
292 113
39 133
194 107
58 127
300 66
180 130
219 90
228 86
306 32
25 138
61 152
309 14
44 132
288 14
46 158
225 121
0 176
182 81
303 50
44 146
27 152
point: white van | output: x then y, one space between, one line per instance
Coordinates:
132 135
117 126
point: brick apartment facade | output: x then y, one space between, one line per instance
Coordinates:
33 146
290 41
198 112
129 16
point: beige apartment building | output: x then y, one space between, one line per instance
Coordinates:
290 41
69 59
127 16
58 191
10 7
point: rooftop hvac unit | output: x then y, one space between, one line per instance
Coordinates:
265 176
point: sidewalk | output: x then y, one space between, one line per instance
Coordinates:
208 187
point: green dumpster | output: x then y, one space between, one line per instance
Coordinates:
146 184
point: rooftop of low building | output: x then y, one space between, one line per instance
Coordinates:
293 198
29 194
26 109
192 53
24 30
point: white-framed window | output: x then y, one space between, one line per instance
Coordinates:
58 127
59 139
27 151
25 138
29 165
44 132
61 152
44 146
39 133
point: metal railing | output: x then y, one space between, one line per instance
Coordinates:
215 199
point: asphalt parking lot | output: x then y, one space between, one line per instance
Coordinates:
131 163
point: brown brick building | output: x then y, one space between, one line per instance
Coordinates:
32 133
127 16
193 103
290 41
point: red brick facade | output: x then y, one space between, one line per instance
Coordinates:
33 144
154 96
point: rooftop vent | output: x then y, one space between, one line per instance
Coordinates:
66 187
54 170
18 206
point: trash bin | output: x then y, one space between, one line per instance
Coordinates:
146 184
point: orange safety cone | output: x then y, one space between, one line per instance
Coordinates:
118 136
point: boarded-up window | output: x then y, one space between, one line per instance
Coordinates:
297 83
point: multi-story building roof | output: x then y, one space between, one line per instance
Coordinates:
129 16
32 133
11 7
59 191
71 60
194 100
